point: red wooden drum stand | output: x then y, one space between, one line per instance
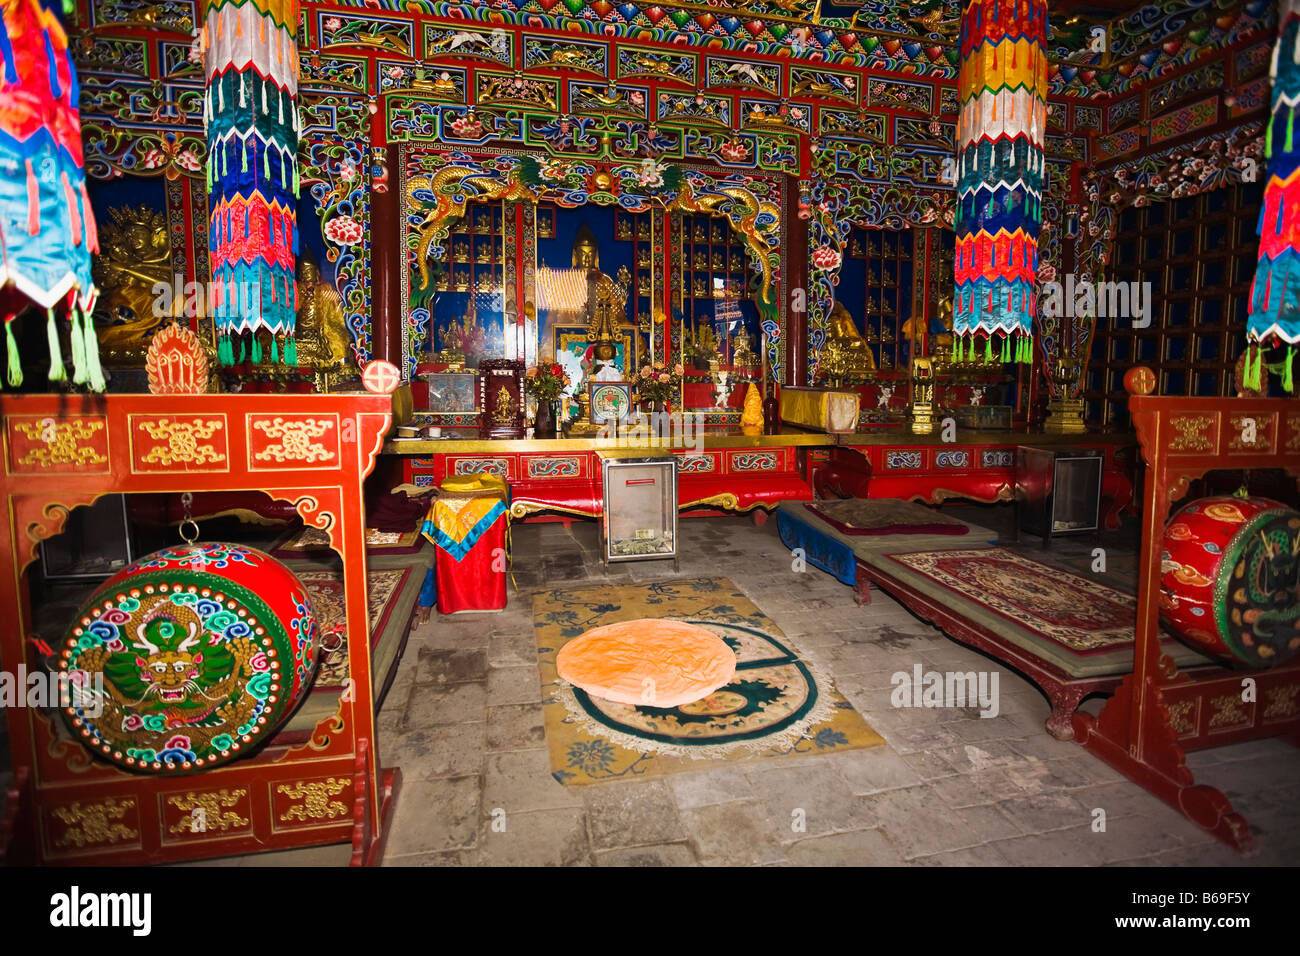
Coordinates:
71 806
1159 713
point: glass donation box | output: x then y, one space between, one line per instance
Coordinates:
640 513
1058 491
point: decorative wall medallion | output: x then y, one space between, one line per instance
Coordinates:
1281 702
1182 716
754 461
554 468
1194 433
491 466
160 444
1252 433
50 445
206 812
899 460
292 442
96 824
694 464
1226 712
315 800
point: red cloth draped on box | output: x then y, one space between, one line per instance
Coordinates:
468 523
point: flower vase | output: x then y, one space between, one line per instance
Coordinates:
544 423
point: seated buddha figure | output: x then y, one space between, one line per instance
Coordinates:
846 357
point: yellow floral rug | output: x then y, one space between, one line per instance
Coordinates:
777 705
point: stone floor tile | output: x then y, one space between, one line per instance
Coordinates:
440 666
667 854
534 838
435 815
854 848
513 685
515 727
634 813
737 833
521 781
431 704
709 787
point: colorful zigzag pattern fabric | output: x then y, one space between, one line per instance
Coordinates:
1002 86
1275 294
251 112
47 228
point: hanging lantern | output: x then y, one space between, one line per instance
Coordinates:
1275 295
251 112
189 658
47 228
1002 86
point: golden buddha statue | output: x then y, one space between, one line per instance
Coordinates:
606 298
134 258
324 342
846 357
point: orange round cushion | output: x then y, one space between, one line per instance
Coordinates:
651 662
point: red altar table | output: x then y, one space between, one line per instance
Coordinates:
314 451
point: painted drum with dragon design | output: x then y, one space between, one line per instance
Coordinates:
1230 579
189 658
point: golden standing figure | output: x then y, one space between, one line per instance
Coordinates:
504 412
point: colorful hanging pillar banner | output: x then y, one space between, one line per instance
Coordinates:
1275 295
251 113
1002 85
47 228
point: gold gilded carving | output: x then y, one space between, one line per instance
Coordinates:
182 442
1256 428
60 440
1281 702
295 440
1181 716
210 815
316 803
1293 428
1191 433
95 823
1226 711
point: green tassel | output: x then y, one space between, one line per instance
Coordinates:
78 339
1252 367
988 349
275 349
94 371
291 352
1006 349
15 363
223 349
257 350
1287 383
57 372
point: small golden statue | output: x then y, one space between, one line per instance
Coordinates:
846 357
751 419
743 355
922 405
504 411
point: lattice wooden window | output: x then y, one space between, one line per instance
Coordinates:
1199 254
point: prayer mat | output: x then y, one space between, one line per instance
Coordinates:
312 542
877 516
1075 612
325 591
777 705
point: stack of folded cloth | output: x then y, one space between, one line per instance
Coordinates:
396 512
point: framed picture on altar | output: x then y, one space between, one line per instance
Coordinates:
501 398
609 401
572 351
453 392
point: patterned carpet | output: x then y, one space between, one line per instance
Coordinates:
1078 613
325 591
776 705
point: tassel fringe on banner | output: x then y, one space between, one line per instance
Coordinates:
1274 319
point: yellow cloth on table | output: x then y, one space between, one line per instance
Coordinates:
827 411
465 508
